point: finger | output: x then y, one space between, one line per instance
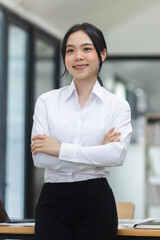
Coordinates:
111 130
38 137
109 137
37 150
114 134
117 133
114 139
117 140
37 145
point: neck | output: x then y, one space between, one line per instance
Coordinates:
84 88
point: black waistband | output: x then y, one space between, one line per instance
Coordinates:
86 186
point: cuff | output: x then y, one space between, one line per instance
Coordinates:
69 152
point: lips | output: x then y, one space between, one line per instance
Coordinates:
80 67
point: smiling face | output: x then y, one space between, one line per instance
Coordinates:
81 58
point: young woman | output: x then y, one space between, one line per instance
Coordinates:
78 132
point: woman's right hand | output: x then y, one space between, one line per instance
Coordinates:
111 136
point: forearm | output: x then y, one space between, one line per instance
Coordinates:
108 155
42 160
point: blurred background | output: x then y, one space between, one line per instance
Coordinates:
30 64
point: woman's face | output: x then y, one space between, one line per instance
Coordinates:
81 58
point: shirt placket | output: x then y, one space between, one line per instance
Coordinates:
80 120
78 127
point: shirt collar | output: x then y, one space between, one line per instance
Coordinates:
98 90
71 88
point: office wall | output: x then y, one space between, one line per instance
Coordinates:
139 36
127 181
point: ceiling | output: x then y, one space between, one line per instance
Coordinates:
61 14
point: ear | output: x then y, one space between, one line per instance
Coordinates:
103 54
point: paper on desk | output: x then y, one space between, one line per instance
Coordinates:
28 224
129 223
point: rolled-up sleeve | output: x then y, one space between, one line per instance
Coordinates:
108 155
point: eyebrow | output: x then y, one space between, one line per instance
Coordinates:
84 44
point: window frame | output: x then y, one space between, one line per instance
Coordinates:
3 106
34 32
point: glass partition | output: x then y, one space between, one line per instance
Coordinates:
2 110
1 45
44 67
29 66
17 56
45 63
138 82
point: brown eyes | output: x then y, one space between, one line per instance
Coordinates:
69 50
87 49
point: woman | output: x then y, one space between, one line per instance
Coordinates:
78 132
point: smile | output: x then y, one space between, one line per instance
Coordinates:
80 67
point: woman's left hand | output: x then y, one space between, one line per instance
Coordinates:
111 137
45 144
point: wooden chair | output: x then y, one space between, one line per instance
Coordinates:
125 210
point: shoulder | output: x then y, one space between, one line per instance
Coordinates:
52 95
114 100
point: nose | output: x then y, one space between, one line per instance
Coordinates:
79 55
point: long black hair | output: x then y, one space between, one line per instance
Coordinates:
95 35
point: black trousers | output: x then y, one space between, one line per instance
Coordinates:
83 210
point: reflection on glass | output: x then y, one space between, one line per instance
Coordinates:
120 89
1 39
44 67
2 110
44 81
141 79
15 121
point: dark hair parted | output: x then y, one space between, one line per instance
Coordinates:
95 35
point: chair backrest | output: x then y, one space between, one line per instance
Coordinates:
125 210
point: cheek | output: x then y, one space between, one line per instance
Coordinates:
68 62
95 59
95 63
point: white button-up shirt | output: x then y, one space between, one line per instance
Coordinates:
81 132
